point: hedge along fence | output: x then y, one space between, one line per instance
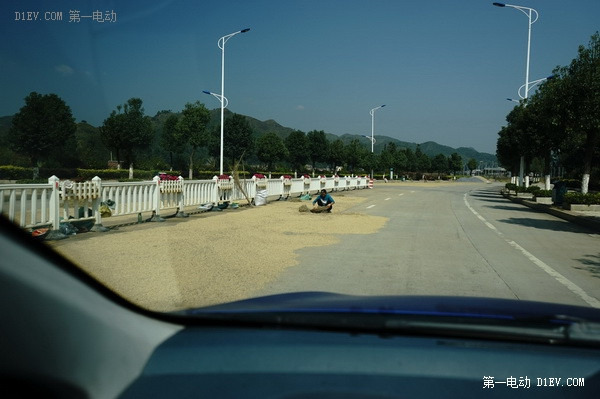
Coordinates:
113 174
513 187
572 198
8 172
543 193
535 190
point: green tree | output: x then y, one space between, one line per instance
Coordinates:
506 151
90 148
42 127
127 130
369 161
582 88
422 161
192 129
297 147
411 160
455 162
270 149
336 154
550 122
439 164
561 121
472 164
172 140
318 147
355 155
238 140
388 157
401 163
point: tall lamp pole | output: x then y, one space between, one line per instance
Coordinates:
532 16
221 97
372 112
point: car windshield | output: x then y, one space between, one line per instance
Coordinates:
191 154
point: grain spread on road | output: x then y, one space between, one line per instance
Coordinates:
213 257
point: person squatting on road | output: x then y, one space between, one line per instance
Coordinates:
324 202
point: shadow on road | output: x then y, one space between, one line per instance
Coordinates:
555 225
485 194
591 264
490 199
511 208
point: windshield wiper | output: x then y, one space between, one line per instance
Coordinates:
548 329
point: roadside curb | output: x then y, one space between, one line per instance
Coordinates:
591 222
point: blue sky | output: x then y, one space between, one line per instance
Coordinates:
443 68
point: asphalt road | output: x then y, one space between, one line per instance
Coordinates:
460 239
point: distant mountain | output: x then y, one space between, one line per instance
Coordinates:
429 148
260 127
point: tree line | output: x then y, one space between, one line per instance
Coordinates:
44 132
559 125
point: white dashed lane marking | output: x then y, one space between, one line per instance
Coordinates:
574 288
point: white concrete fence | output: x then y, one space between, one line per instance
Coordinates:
34 206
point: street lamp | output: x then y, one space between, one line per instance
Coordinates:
532 85
221 97
373 141
217 96
372 112
532 15
224 102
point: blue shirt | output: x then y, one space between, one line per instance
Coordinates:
326 200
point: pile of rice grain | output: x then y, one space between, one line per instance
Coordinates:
213 257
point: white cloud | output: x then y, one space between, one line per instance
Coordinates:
64 70
300 107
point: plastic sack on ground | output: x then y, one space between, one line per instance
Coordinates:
105 211
261 198
67 229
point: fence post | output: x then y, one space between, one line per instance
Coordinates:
180 196
97 204
157 200
54 207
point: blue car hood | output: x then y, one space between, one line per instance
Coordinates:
451 306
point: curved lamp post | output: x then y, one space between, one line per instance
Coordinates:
532 16
218 97
531 86
370 138
372 112
221 97
224 102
